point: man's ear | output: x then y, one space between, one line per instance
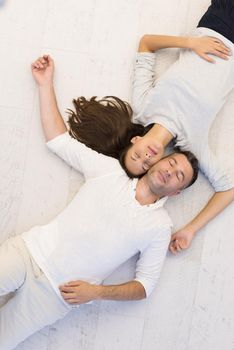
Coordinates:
135 139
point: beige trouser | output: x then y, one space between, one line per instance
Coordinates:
34 304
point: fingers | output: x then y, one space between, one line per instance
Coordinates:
42 62
74 283
177 246
73 301
48 59
68 287
65 289
218 52
207 58
223 49
173 237
215 47
67 296
70 299
220 46
173 248
221 54
39 64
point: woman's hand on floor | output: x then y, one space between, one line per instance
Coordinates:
203 46
43 70
181 240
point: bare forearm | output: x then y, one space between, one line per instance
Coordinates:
52 121
127 291
152 43
216 204
202 46
80 292
183 238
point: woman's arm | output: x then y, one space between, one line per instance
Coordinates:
201 45
52 121
182 238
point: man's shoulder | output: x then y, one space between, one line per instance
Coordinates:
158 226
163 219
157 218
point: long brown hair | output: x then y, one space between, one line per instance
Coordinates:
104 125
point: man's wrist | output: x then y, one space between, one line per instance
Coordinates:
191 229
98 295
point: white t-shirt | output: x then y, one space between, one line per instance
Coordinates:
185 100
102 227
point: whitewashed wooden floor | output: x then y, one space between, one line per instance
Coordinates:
93 43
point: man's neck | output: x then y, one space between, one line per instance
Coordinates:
143 193
161 134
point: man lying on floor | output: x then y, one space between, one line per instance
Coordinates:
58 266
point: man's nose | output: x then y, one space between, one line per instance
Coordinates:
168 173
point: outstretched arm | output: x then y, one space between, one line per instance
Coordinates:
80 292
183 238
52 121
201 45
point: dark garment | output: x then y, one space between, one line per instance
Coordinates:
220 17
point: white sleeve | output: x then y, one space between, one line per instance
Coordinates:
82 158
143 80
150 262
220 174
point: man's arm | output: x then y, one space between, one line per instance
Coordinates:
80 292
52 121
148 269
220 175
200 45
183 238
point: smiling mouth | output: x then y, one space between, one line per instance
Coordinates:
152 151
162 177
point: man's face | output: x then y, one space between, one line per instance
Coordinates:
143 153
170 175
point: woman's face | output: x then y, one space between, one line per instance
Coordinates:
142 155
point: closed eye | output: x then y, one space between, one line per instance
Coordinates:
136 155
180 176
172 162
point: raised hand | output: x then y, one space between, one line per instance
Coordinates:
43 70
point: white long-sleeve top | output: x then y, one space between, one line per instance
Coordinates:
185 100
102 227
